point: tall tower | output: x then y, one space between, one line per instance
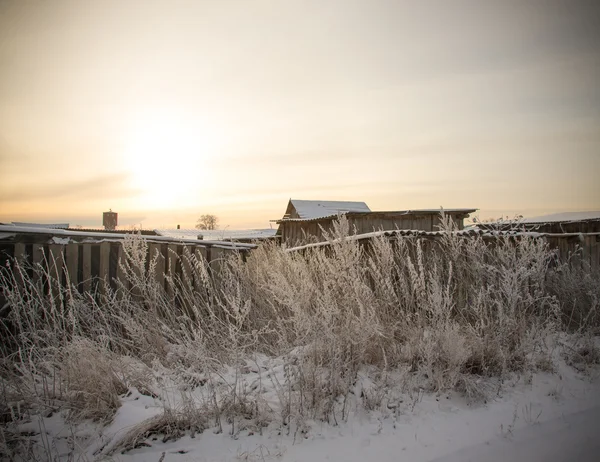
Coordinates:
109 220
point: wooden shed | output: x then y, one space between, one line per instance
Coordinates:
304 221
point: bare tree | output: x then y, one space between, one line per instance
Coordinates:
208 222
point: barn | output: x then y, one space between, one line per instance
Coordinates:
305 220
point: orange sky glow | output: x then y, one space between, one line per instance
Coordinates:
166 110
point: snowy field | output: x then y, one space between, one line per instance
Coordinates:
538 417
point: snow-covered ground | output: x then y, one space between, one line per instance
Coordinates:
545 417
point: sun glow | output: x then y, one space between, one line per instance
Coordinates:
168 158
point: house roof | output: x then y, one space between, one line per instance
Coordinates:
41 225
217 234
64 236
308 210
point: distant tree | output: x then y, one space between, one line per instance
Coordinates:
208 222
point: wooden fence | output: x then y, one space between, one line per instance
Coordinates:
88 261
574 248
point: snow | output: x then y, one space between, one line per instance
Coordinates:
564 216
549 417
307 209
217 234
568 437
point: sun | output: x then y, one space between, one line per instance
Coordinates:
167 158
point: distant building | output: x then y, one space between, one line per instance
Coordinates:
110 220
305 220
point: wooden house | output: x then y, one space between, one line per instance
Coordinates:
304 221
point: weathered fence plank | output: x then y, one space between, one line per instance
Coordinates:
157 261
72 260
594 252
103 268
171 267
123 282
20 257
86 281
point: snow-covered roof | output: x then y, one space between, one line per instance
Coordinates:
217 234
42 225
63 236
563 217
318 209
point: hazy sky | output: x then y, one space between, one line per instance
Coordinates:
164 110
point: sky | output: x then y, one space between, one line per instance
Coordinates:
167 110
